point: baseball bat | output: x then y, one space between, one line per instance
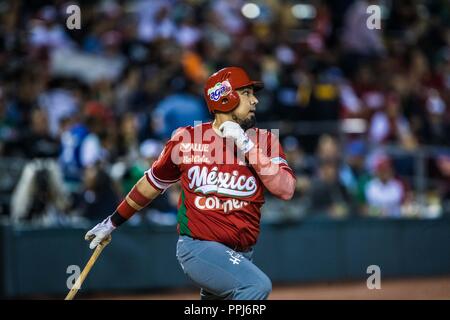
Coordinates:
87 268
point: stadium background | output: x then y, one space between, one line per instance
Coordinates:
83 113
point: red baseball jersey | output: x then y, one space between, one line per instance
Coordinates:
222 194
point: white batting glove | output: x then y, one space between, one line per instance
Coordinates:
231 129
99 233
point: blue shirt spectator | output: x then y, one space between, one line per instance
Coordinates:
178 110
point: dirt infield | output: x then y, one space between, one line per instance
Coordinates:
401 289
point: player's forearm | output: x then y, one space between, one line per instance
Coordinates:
281 185
277 180
138 198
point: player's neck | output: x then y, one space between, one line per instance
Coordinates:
218 120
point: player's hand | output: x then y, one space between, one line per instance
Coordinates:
233 130
100 232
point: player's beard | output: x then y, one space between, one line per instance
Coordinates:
246 123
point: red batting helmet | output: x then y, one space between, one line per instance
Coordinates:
220 88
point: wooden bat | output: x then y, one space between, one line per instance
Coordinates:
87 268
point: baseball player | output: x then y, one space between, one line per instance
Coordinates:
224 167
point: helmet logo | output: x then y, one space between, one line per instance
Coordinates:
221 89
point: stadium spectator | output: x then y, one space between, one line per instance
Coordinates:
178 109
360 43
326 195
40 195
391 126
81 147
384 192
354 174
298 161
99 193
36 141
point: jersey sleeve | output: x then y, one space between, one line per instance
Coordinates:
165 171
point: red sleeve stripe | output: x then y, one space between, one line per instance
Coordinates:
125 210
138 197
162 181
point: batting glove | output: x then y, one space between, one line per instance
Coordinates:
99 233
231 129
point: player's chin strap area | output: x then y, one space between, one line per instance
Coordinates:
217 131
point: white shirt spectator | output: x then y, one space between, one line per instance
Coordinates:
58 104
386 197
380 127
349 99
187 36
230 13
373 99
148 29
91 151
53 36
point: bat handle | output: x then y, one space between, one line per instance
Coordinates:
87 268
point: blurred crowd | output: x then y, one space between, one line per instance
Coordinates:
84 112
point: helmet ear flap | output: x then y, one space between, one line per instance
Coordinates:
233 97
